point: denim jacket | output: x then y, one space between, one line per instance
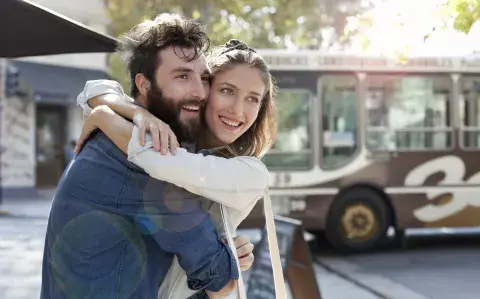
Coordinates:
114 231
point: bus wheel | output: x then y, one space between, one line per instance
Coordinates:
358 220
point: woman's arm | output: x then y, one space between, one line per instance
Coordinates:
237 182
106 92
113 125
234 182
111 94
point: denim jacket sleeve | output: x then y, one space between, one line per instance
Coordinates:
190 233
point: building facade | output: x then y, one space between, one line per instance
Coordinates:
39 123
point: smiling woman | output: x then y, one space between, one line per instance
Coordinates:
234 102
240 111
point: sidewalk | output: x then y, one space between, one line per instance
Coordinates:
36 207
31 214
332 285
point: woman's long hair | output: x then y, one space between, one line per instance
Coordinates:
259 138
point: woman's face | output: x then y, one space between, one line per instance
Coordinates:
234 102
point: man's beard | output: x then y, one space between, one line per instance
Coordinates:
168 110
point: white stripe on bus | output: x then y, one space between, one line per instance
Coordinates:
388 190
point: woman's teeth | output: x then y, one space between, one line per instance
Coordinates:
230 122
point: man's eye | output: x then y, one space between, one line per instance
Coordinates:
182 77
206 78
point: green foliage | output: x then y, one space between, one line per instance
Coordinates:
264 24
260 23
465 13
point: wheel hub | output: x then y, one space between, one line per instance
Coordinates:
359 223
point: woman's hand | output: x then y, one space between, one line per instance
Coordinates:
163 138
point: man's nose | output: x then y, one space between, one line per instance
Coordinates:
199 89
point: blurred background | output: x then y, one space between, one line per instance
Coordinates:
377 151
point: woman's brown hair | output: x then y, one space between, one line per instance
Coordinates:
259 138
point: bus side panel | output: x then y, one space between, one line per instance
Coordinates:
415 210
404 206
313 214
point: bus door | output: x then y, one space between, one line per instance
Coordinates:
339 113
293 155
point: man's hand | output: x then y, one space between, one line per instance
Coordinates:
245 256
225 292
244 252
163 138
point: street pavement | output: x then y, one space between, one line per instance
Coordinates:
21 248
429 268
22 233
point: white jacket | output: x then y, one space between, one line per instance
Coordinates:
233 196
234 185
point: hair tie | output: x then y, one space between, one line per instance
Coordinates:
235 44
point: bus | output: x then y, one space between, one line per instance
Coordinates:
366 144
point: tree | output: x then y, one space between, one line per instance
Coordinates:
260 23
401 28
464 12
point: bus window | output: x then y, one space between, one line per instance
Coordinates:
470 112
339 119
292 149
408 113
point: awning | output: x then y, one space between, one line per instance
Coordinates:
56 84
28 29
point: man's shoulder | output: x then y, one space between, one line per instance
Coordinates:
99 146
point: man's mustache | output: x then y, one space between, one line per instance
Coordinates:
195 102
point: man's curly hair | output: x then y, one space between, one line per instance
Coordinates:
139 47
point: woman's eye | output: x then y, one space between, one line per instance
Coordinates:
227 91
253 99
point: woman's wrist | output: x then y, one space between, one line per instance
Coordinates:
100 115
138 113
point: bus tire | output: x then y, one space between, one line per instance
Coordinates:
358 220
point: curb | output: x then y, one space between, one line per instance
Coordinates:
26 217
4 212
376 284
350 279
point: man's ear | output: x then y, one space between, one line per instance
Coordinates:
142 83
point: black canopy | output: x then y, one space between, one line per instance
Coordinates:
28 29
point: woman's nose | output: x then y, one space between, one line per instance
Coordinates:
236 107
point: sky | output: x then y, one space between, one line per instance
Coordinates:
386 36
